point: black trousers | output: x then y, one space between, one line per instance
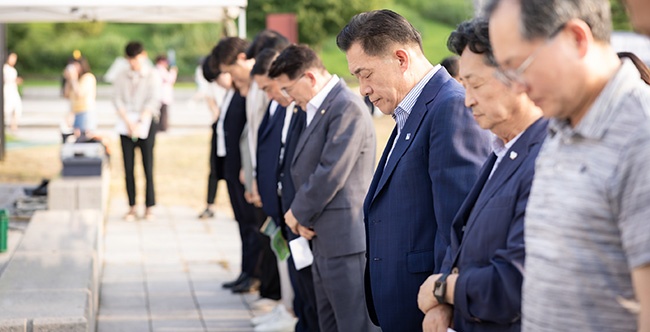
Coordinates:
128 153
250 219
304 301
164 116
268 271
216 167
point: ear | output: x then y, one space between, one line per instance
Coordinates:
241 56
402 57
581 35
310 75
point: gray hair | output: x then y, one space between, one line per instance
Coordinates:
541 18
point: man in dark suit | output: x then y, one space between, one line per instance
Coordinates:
479 288
331 169
230 125
428 166
278 136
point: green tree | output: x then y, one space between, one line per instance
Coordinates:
619 16
316 18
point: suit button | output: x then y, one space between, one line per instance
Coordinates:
454 270
281 174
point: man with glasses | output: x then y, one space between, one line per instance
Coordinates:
587 233
331 169
429 164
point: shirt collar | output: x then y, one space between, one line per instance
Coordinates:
319 98
501 148
144 70
406 105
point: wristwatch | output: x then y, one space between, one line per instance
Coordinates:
440 288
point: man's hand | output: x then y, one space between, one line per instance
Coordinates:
256 199
292 222
438 319
305 232
426 300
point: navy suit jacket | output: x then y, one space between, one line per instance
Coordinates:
296 128
490 223
269 142
413 198
233 126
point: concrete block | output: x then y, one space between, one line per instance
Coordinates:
51 271
90 194
62 195
67 324
78 193
34 305
63 231
13 325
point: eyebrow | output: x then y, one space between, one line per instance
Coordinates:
356 72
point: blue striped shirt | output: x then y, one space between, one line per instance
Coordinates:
403 110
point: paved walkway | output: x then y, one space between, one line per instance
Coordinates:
166 274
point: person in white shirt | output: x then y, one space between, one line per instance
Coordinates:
137 101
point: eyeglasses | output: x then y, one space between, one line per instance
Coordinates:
509 76
288 89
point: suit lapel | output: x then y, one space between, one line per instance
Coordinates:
320 113
410 130
466 208
270 121
512 160
372 192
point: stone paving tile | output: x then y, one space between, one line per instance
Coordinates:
175 325
166 274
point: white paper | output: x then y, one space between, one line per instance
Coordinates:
301 253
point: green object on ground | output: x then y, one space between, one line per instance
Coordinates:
4 227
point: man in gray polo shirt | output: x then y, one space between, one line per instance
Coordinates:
587 227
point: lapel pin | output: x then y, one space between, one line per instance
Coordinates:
408 136
513 155
322 111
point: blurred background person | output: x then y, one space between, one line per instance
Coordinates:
137 101
451 64
215 89
13 105
168 74
82 93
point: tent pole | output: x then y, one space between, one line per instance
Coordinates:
3 55
241 22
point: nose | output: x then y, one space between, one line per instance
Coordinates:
470 101
365 89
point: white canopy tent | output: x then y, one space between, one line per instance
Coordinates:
123 11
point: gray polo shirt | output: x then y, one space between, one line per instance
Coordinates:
588 215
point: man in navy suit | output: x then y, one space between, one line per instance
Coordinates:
428 166
277 137
479 288
331 169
